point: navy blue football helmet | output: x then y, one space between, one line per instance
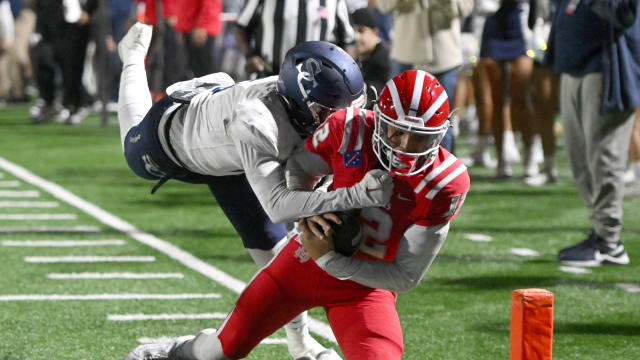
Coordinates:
317 78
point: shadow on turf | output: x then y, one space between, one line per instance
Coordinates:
519 282
569 328
528 192
580 231
477 258
596 329
236 258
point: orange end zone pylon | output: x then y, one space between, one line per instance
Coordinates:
531 324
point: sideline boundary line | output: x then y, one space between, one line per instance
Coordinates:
172 251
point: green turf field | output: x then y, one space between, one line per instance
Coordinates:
460 311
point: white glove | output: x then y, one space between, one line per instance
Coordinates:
374 190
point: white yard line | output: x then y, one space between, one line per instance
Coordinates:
524 252
478 237
50 229
126 275
183 257
20 217
574 270
10 183
144 317
28 204
19 194
64 297
61 243
87 259
629 287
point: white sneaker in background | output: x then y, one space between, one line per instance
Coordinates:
63 116
530 164
536 147
504 171
78 117
628 176
632 174
509 148
484 159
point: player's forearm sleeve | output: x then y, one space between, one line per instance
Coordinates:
418 248
266 174
283 204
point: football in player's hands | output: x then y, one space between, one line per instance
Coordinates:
347 236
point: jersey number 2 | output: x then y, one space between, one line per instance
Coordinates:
321 134
377 227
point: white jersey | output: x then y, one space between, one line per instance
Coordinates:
207 135
245 127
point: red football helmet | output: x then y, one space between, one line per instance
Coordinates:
411 118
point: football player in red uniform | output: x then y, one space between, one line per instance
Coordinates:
358 293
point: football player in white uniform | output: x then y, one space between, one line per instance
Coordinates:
236 138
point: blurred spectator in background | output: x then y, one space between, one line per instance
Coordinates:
120 14
509 70
16 25
267 29
200 23
632 176
595 47
371 52
76 101
545 95
21 70
64 35
471 39
382 20
427 37
7 37
166 60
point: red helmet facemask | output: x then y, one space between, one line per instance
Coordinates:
411 119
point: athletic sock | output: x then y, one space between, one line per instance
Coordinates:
299 341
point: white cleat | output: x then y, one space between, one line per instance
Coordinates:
158 351
134 45
308 348
328 354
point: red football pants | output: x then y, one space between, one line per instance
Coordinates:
364 320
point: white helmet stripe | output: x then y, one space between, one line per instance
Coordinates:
397 104
435 106
417 93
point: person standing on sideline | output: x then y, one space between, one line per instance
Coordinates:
427 37
199 22
372 53
236 139
595 47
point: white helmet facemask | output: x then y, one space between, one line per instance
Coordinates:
390 136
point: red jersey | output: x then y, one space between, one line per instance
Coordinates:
428 198
203 14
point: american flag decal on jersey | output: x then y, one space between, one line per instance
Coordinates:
352 158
